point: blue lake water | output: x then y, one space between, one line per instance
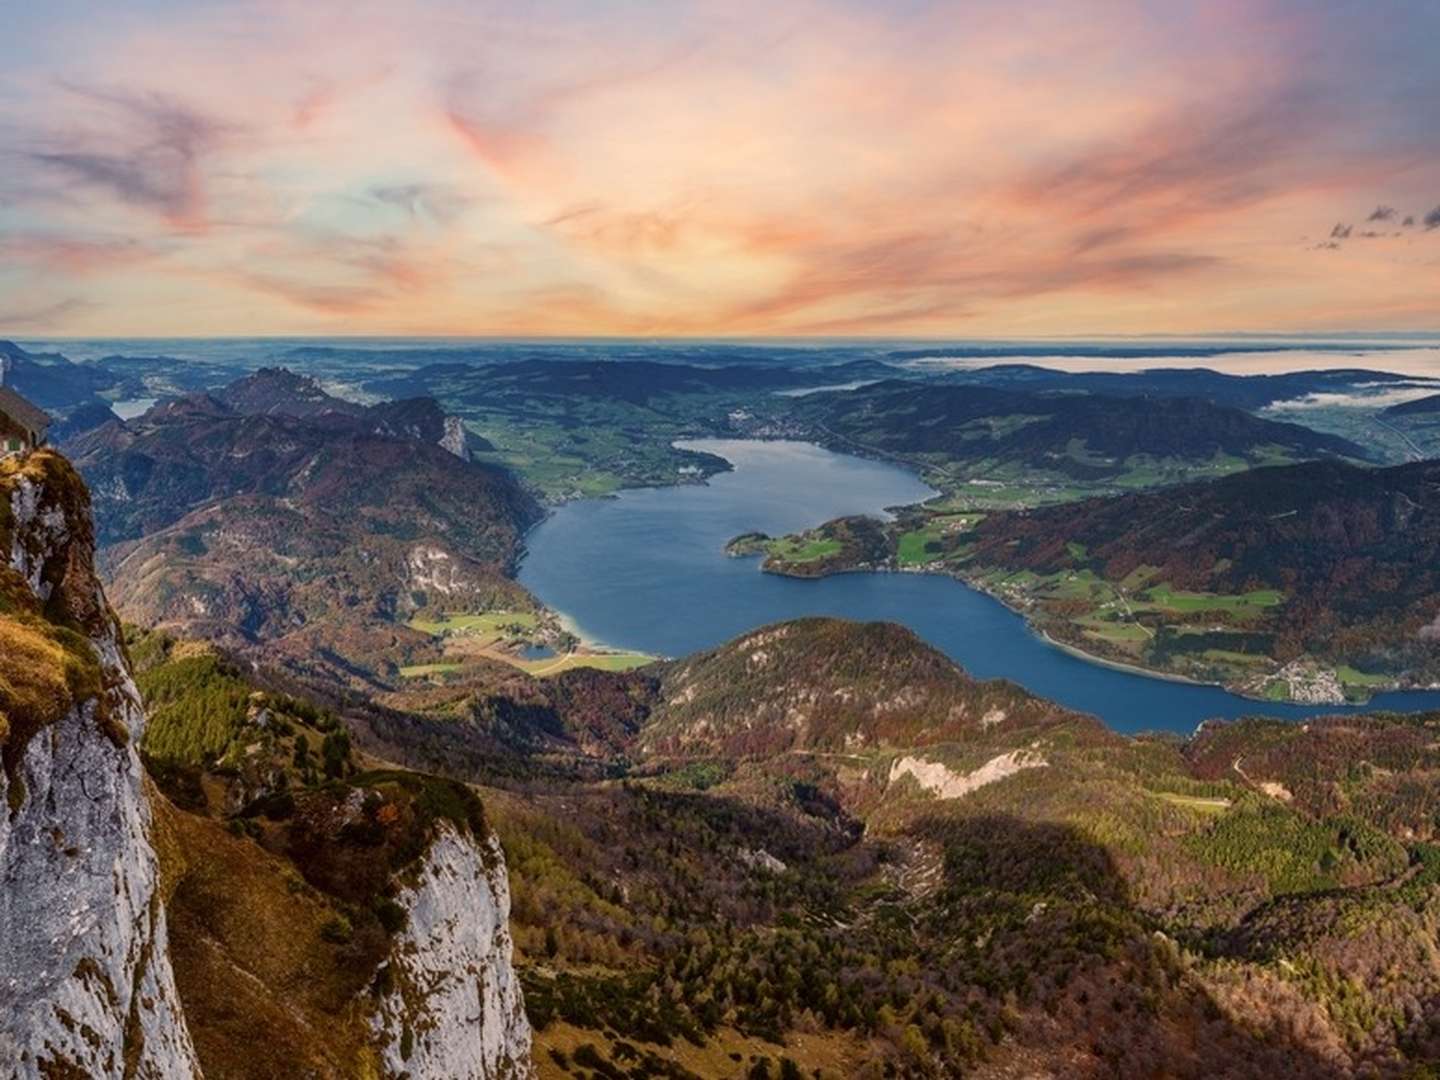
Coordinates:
647 571
133 407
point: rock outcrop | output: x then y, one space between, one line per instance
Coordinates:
86 987
453 1006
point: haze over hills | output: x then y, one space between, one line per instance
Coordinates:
1426 406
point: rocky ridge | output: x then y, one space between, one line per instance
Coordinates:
88 987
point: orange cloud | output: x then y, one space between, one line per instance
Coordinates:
698 168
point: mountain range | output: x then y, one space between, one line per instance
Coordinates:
820 849
1081 437
272 515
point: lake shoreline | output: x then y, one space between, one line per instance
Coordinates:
1035 631
648 569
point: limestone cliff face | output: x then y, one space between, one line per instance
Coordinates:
453 1006
456 439
86 987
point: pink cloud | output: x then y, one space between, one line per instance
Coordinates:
695 168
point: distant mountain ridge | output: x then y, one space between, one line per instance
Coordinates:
636 382
1247 391
50 380
1425 406
1084 436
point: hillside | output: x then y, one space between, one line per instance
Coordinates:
1313 582
1421 407
574 427
52 381
1321 560
1000 445
826 685
313 537
823 846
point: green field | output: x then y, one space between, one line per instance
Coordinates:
911 548
1115 631
419 671
600 661
796 549
492 634
548 666
1198 803
440 624
1164 598
1350 676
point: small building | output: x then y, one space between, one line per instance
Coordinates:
22 425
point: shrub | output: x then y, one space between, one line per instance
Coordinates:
337 930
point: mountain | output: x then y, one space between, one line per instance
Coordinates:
1422 408
50 380
1083 438
277 391
823 846
352 923
312 536
820 685
1322 559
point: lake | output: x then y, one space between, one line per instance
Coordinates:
132 407
647 571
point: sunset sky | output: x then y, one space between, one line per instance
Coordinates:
987 168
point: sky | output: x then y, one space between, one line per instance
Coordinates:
675 168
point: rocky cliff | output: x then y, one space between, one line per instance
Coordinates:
359 929
454 1007
86 987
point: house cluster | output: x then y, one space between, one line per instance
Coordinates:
22 425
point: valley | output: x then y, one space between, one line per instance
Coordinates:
534 643
718 822
988 441
707 541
